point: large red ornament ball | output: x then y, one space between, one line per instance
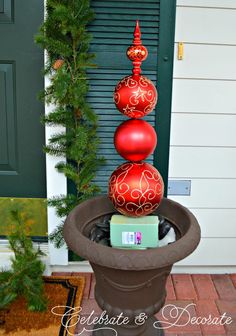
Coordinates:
135 96
136 189
135 140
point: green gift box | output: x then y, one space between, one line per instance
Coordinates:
134 233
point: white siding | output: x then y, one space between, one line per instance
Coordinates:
212 252
203 129
200 25
229 4
204 96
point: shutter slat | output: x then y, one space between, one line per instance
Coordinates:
135 11
111 123
123 29
115 35
127 17
121 41
100 22
124 4
120 72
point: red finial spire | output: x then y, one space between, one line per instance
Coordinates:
137 35
137 52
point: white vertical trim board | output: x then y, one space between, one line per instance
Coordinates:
203 126
56 185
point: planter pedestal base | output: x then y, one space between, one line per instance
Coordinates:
146 329
130 282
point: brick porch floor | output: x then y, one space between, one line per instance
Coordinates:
211 294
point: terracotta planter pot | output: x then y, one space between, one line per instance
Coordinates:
130 281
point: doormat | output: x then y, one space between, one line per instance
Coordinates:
60 291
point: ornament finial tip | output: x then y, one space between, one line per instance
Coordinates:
137 52
137 34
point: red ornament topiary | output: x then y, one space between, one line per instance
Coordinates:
135 140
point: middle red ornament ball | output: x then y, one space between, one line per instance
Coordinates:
136 189
135 140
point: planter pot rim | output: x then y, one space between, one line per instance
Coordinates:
127 259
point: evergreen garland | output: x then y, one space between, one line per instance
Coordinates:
66 40
25 276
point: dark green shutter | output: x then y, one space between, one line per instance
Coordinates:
112 32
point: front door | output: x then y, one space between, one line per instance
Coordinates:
22 162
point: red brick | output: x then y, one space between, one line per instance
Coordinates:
224 286
204 286
88 277
204 309
170 289
181 318
61 273
188 334
80 327
228 307
233 278
93 283
184 288
90 305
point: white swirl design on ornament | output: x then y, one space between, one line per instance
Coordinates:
127 81
141 95
135 113
144 196
116 97
130 82
150 107
150 96
143 81
117 185
129 110
137 96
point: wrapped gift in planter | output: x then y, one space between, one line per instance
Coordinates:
134 233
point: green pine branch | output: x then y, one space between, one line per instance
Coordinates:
25 277
65 37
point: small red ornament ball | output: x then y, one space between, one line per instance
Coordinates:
137 53
136 189
135 96
135 140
